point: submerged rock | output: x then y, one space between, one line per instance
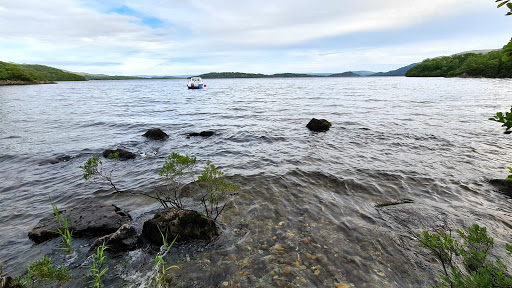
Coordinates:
87 220
123 154
186 224
123 240
502 185
319 125
156 134
202 134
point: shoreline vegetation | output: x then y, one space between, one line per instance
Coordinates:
478 64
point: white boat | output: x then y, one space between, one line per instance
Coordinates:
195 83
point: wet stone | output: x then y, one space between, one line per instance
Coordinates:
186 224
123 154
85 221
155 134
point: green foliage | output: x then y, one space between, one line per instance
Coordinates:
14 72
93 170
177 169
216 188
35 73
43 271
507 3
471 254
507 51
488 65
64 232
160 277
46 73
96 271
505 118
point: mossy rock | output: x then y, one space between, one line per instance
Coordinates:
156 134
319 125
188 225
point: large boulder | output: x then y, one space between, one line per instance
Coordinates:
156 134
123 240
318 125
186 224
85 221
123 154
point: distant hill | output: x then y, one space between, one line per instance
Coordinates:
89 76
487 65
345 74
213 75
106 77
397 72
11 73
364 73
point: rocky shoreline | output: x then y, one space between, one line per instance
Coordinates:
19 82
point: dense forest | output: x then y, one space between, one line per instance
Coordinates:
488 65
30 74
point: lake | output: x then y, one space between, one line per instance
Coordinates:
307 213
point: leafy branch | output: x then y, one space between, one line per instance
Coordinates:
179 171
93 170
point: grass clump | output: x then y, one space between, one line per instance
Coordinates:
96 269
158 277
64 232
43 271
465 262
93 170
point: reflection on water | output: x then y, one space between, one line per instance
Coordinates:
307 214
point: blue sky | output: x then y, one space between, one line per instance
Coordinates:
153 37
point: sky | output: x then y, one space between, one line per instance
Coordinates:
190 37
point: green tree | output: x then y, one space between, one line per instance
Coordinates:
505 118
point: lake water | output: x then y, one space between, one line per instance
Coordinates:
307 213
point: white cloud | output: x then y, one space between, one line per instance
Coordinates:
225 35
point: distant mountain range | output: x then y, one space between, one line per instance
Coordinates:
457 65
398 72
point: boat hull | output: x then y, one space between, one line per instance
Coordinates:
196 87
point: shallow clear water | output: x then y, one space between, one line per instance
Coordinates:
306 214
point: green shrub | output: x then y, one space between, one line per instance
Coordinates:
471 254
179 171
93 170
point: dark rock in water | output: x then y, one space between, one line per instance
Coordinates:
186 224
508 132
502 185
85 220
59 159
202 134
319 125
123 240
156 134
123 154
